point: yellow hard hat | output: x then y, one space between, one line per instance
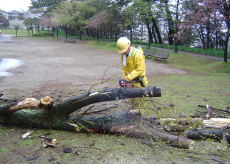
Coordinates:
123 44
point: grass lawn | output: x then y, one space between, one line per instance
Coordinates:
206 82
25 32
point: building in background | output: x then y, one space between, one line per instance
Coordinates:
15 15
15 18
5 14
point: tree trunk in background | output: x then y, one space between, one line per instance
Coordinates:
177 20
217 40
142 32
226 46
98 34
157 31
201 35
227 16
154 35
32 30
16 31
80 34
53 31
208 36
66 31
149 31
57 32
131 34
171 29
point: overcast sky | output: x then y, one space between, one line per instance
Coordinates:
9 5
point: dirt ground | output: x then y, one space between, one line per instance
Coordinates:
52 66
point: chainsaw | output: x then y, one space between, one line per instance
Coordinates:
125 84
130 84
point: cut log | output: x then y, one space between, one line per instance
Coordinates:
46 102
28 103
201 134
217 122
25 104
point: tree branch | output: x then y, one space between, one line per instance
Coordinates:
69 106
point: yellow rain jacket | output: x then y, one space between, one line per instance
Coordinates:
135 66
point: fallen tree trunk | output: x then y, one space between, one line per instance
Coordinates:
125 123
214 128
121 123
201 134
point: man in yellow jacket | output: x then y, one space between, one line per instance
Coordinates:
133 63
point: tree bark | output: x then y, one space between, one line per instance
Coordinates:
208 35
171 28
149 31
5 107
201 134
226 46
154 35
227 15
157 31
177 29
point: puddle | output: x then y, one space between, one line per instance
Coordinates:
4 38
6 64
